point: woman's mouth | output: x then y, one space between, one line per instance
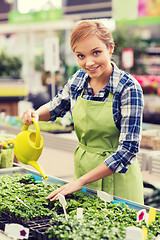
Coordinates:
93 69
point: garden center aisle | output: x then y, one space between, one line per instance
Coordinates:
56 163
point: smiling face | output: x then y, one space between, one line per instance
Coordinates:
94 57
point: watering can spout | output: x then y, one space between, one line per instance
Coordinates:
39 169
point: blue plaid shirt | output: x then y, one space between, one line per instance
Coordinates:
127 110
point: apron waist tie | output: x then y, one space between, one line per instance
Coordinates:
97 150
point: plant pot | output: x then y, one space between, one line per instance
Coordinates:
7 156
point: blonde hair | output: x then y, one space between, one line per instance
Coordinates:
90 27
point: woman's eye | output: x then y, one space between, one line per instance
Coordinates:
96 53
80 56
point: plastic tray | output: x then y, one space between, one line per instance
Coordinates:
53 180
38 227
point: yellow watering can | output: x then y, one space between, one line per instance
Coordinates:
28 147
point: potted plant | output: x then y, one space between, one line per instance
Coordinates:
7 153
10 66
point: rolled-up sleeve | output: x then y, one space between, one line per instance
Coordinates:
60 104
131 112
66 98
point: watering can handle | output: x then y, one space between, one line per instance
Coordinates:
38 135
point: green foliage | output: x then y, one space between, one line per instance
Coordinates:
124 37
39 63
32 193
10 66
99 222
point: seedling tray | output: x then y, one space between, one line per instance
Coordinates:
38 227
4 220
53 180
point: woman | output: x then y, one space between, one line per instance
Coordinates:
106 105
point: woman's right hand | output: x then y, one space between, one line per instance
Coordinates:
28 115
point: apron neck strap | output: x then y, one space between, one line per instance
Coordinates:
110 97
82 93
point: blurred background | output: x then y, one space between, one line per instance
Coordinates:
25 53
36 61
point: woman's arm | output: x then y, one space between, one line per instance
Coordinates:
43 113
57 106
131 109
94 175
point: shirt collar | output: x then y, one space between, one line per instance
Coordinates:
85 79
115 77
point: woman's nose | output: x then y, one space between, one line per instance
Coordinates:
89 62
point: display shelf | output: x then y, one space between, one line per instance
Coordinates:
150 161
151 178
153 50
53 180
151 60
36 226
69 142
65 142
154 163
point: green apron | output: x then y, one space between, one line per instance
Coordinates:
98 138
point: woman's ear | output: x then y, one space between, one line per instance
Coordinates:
111 49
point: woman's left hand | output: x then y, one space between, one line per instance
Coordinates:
66 189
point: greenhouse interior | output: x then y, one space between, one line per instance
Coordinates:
91 172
